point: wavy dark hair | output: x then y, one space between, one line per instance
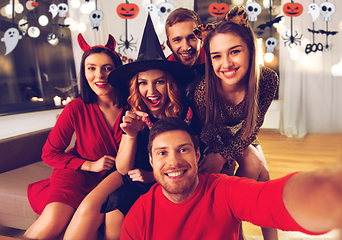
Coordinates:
86 93
252 77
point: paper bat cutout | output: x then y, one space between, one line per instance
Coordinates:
60 25
270 23
321 31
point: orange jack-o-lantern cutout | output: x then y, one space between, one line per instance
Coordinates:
127 10
293 9
218 9
34 4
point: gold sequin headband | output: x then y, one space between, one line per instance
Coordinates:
237 15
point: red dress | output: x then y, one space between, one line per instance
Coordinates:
68 184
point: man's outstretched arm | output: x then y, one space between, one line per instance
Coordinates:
314 199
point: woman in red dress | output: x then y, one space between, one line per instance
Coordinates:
94 117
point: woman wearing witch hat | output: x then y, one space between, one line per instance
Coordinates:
153 83
94 118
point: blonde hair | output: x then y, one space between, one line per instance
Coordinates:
173 106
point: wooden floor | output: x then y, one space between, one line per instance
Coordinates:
286 155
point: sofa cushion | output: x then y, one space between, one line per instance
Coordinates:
15 209
22 150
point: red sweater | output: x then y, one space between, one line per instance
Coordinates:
214 211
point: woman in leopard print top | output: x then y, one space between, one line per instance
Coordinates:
233 98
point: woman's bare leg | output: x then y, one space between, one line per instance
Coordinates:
51 223
252 164
88 218
114 220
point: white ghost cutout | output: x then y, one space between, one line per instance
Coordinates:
53 9
153 10
11 38
164 9
314 11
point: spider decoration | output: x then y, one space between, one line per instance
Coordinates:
127 44
292 39
292 9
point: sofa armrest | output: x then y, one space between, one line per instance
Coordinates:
22 150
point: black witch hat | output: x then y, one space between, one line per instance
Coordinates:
150 56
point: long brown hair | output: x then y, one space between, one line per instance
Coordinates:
173 106
252 77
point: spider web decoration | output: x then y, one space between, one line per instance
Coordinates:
292 9
326 9
127 11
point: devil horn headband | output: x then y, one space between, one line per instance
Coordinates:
110 45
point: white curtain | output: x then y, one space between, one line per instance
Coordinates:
310 95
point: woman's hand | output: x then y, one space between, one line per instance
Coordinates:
104 163
141 175
213 162
133 122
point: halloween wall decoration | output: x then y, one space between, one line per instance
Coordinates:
53 9
11 36
270 23
95 18
292 10
62 9
23 25
164 9
152 9
127 11
253 10
326 9
218 9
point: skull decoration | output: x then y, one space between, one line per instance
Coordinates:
96 17
253 10
165 8
62 9
23 25
327 10
153 10
270 44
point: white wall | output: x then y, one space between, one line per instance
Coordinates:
17 124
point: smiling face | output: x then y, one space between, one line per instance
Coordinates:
153 90
97 68
183 43
174 161
231 60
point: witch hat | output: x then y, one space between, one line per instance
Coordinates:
151 56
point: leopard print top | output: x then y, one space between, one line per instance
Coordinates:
226 139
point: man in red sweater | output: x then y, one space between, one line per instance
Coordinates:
186 205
